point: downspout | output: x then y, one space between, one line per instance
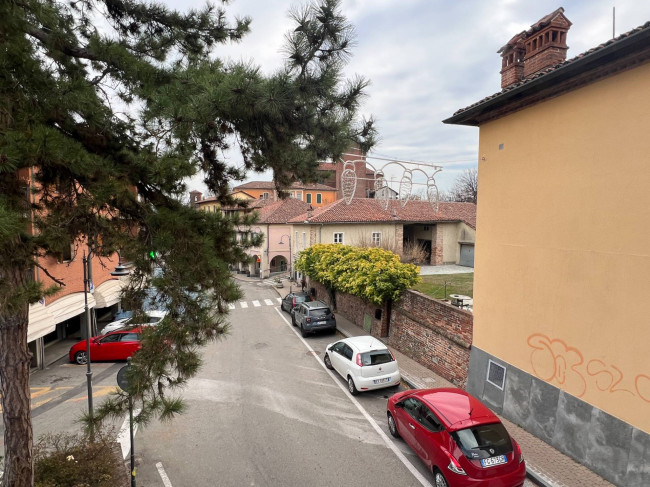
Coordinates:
268 237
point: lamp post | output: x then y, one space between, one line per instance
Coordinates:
89 372
282 243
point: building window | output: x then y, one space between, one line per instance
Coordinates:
376 239
299 195
304 240
67 255
308 196
295 241
265 196
338 237
319 198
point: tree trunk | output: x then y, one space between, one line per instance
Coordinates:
14 383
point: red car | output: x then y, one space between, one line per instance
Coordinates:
116 345
460 440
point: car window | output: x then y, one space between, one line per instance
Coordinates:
154 319
412 407
483 440
319 312
428 419
111 338
376 357
347 352
130 337
301 299
337 347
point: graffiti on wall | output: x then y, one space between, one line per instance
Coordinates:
555 361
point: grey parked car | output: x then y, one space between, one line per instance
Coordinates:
313 316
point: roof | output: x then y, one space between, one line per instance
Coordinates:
365 343
537 26
294 186
365 210
456 408
282 211
629 49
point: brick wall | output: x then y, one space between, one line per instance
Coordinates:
433 333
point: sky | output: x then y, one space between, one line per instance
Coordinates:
425 60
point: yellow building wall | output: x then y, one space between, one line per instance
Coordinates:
562 259
327 197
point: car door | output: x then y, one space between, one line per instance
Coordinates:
346 360
406 421
105 348
429 436
299 312
129 344
335 355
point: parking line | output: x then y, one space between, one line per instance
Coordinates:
256 303
279 300
243 304
124 435
163 475
231 306
373 423
268 302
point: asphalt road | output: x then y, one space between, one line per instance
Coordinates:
263 411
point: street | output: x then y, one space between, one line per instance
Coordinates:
262 411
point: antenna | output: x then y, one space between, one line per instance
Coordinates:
613 21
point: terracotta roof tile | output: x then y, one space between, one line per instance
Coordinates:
282 211
370 210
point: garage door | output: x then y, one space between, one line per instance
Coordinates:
467 255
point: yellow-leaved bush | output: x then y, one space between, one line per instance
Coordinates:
373 274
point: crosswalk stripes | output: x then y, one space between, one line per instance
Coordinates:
256 303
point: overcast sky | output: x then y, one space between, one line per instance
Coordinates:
426 59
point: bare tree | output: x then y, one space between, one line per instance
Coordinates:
465 188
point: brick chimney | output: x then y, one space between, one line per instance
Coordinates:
195 197
540 47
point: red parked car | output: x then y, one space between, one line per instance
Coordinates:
116 345
459 439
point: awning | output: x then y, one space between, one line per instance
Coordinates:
40 322
108 293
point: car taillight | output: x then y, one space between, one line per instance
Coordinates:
392 356
359 360
518 450
293 302
454 466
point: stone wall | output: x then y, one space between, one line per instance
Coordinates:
433 333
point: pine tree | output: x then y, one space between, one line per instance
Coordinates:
113 104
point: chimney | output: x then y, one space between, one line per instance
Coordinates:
195 197
540 47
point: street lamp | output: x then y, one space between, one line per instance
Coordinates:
89 372
282 243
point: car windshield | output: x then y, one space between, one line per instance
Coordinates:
300 299
319 312
483 441
376 357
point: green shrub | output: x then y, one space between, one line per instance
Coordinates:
373 274
65 460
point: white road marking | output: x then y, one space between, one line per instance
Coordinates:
256 304
373 423
279 300
231 306
124 437
268 302
163 475
243 304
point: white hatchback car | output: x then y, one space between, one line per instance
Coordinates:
364 362
153 318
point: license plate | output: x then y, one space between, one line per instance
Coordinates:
492 461
381 381
320 322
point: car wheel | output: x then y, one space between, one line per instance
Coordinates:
80 358
351 387
303 332
439 479
327 361
392 427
